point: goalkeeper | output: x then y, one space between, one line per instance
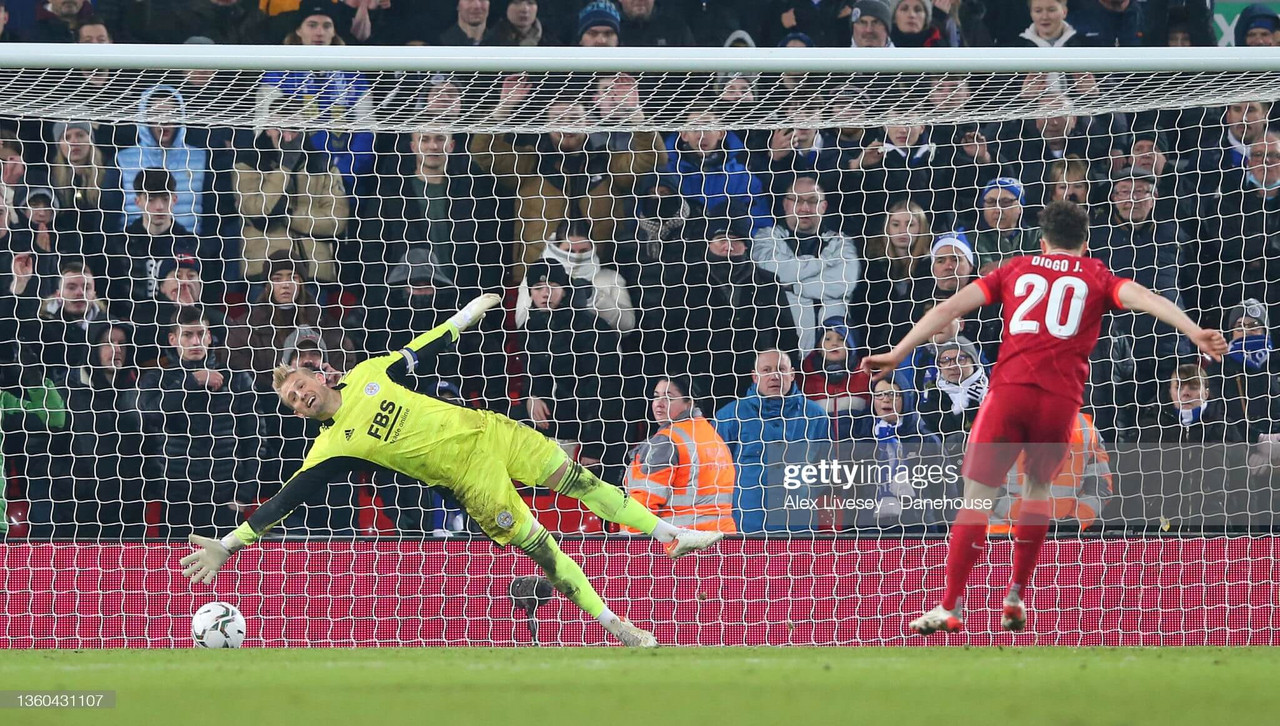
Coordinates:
372 418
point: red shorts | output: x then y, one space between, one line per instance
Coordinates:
1013 420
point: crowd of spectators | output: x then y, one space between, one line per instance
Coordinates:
154 273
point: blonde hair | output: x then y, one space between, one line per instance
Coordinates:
878 247
279 375
62 176
1070 168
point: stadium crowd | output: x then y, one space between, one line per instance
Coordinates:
718 287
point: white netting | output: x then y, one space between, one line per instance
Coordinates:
464 102
172 236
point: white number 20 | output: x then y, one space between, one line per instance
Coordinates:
1034 287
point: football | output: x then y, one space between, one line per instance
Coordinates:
217 625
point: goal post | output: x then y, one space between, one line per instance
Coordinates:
745 224
1159 80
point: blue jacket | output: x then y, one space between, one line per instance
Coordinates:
336 94
748 425
719 182
1247 16
188 165
1099 26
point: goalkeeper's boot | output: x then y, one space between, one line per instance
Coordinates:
630 635
939 619
691 540
1014 618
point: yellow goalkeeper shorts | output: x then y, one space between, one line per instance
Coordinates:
506 451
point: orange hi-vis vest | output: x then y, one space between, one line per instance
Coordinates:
1077 491
685 475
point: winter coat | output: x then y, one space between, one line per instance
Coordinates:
1237 254
990 245
51 28
503 33
293 201
186 164
571 351
1252 394
550 186
712 315
1101 26
881 307
256 341
397 218
240 23
106 425
603 286
1197 473
134 259
338 95
764 434
718 182
818 287
1149 255
843 395
200 433
1069 39
63 343
659 30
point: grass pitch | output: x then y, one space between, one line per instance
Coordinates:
607 686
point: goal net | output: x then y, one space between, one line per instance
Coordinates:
694 252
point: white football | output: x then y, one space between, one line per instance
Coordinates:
217 625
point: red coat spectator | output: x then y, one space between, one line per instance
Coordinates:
832 379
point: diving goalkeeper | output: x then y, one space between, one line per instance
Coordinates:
372 418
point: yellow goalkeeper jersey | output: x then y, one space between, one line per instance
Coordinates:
388 424
382 422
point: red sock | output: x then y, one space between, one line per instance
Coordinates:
968 543
1028 535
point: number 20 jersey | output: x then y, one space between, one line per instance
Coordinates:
1052 310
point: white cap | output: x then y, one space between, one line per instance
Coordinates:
951 239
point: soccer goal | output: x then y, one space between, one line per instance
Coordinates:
695 250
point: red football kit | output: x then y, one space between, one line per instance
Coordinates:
1052 310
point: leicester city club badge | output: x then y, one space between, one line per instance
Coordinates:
372 389
505 520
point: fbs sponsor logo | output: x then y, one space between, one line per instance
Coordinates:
384 421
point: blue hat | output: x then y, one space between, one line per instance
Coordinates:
1258 15
598 13
802 37
1007 183
841 327
956 240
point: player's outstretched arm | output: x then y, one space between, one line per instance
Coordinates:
1136 297
441 337
211 554
969 298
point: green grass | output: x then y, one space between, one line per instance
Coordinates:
608 686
